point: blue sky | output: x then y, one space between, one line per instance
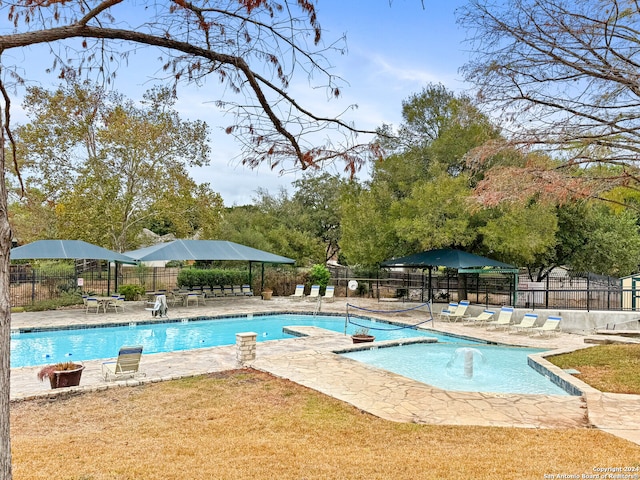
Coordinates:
394 50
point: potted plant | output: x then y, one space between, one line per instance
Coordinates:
267 293
361 335
63 374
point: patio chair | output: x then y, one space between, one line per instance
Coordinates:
192 297
445 312
299 293
550 327
159 308
116 302
174 297
481 319
328 293
92 303
246 290
314 293
526 324
125 366
503 320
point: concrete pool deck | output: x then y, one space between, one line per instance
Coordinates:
310 361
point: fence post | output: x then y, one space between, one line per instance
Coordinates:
33 285
546 294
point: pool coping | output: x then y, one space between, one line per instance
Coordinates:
614 413
538 362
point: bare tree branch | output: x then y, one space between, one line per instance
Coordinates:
564 76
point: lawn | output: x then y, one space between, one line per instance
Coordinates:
245 424
609 368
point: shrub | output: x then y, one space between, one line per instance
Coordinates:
320 275
210 277
64 300
131 292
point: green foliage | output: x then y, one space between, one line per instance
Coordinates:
142 271
64 300
191 277
319 275
524 236
131 292
105 167
276 224
435 214
612 243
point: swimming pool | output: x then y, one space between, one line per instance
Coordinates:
471 368
51 346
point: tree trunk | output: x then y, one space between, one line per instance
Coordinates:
462 286
5 319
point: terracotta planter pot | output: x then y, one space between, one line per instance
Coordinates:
66 378
266 294
362 338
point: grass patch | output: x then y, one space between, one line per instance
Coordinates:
608 368
250 425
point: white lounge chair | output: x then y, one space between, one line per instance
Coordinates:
460 312
446 312
503 320
126 365
550 327
328 293
526 324
299 293
481 319
216 291
314 293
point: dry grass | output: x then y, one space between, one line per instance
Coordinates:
249 425
609 368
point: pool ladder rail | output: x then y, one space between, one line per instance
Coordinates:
318 306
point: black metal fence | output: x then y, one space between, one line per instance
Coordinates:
30 285
588 292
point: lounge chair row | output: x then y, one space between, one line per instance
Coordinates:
222 291
314 293
503 320
528 324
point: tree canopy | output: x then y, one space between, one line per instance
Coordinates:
562 76
107 167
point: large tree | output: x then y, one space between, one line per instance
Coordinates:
253 48
417 197
108 167
562 75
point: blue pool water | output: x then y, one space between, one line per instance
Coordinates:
495 369
51 346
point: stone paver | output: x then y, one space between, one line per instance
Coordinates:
310 361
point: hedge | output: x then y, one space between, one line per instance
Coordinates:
196 277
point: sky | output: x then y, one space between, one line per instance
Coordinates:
395 49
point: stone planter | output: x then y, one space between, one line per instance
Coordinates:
66 378
362 338
266 294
